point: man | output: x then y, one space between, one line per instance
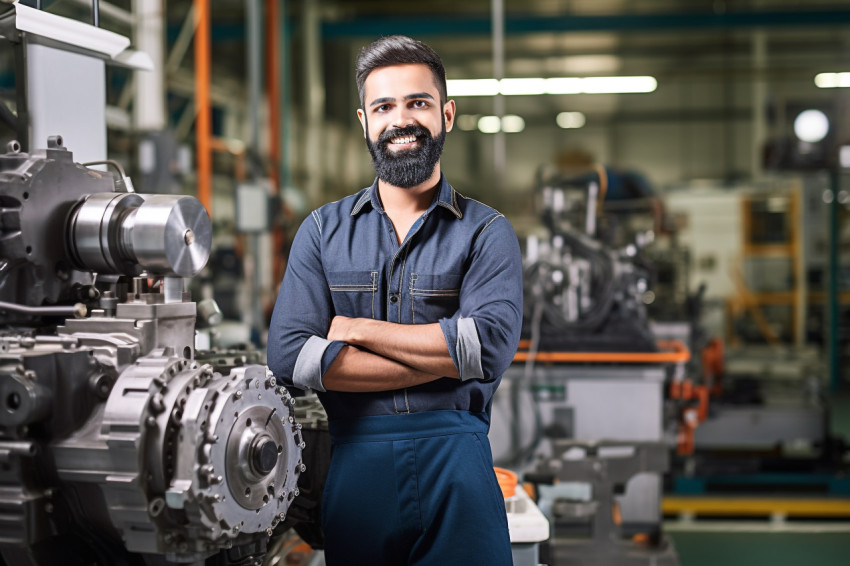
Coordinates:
401 306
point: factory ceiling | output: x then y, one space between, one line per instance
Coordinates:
672 40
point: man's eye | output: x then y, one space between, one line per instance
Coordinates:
419 104
382 108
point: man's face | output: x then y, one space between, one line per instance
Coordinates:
404 123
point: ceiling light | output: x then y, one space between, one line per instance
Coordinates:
489 124
512 124
468 122
556 85
564 85
473 87
811 126
522 86
844 156
570 120
614 85
832 80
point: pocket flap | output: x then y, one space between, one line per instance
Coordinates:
353 281
435 285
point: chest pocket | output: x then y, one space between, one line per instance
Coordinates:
434 296
353 292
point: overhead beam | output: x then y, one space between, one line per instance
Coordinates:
372 26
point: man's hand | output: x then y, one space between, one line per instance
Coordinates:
341 328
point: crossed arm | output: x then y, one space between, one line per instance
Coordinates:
310 347
385 355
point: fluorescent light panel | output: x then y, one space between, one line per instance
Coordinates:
557 85
510 123
570 120
832 80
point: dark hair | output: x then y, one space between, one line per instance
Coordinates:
398 50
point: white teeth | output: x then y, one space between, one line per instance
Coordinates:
404 139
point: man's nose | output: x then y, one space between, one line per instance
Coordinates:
402 116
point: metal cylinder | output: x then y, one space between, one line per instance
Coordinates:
172 234
129 233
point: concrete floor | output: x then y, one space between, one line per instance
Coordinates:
756 549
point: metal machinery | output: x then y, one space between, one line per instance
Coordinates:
581 294
116 445
769 425
607 466
596 380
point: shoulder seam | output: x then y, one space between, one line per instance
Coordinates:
317 219
485 205
495 217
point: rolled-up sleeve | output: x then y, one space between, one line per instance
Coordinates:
298 352
483 336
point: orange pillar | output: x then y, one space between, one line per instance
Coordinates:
273 88
203 122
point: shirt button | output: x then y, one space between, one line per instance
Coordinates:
393 299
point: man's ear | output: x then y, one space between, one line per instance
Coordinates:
362 117
449 114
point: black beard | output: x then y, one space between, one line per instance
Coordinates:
410 167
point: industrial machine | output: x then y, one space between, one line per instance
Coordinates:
117 446
581 294
596 380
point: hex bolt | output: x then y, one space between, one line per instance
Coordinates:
238 394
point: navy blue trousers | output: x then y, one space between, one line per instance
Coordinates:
414 489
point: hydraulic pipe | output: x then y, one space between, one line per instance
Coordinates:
77 310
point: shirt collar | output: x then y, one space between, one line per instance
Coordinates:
446 197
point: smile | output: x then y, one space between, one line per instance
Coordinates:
401 140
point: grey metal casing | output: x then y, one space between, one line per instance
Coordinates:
603 403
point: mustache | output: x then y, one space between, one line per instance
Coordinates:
412 130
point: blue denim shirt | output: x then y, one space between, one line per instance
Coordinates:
459 265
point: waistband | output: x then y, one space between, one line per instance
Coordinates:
407 425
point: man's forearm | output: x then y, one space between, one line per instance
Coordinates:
420 346
360 371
